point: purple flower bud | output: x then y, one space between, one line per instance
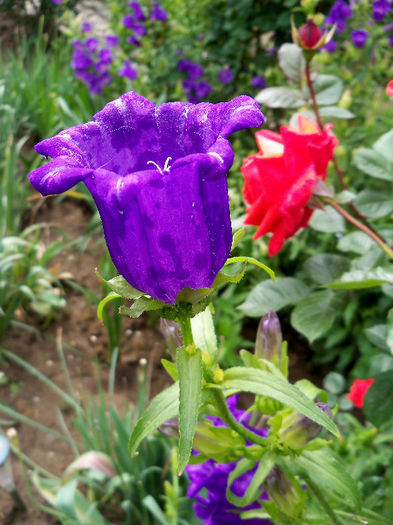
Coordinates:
172 334
258 82
269 339
159 13
297 430
225 75
359 37
281 490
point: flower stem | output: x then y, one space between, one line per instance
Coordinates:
323 502
228 418
185 325
368 231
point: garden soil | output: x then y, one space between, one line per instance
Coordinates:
83 339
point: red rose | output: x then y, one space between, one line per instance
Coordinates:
279 180
358 390
389 89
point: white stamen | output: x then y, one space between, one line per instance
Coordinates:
166 165
155 164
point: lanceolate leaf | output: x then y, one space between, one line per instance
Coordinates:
328 473
264 383
163 407
103 302
189 367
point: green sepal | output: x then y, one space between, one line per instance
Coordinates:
120 286
170 368
237 237
223 278
189 367
255 488
103 302
163 407
251 260
263 383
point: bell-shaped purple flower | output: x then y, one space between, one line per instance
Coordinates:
359 37
158 177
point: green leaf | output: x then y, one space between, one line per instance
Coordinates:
237 237
191 295
103 302
224 278
374 204
389 330
334 383
384 146
251 260
291 61
328 89
373 163
281 97
336 112
274 296
327 221
255 487
163 407
378 401
170 368
324 267
155 510
358 279
203 333
377 336
328 473
142 304
314 315
122 287
189 367
357 242
266 384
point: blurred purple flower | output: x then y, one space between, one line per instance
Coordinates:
57 2
134 41
138 11
128 71
134 158
193 69
202 89
225 75
212 477
92 44
359 37
81 59
112 40
188 86
159 13
339 12
86 27
330 47
380 9
129 22
258 82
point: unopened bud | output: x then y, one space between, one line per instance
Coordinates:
92 460
269 339
172 334
281 490
297 430
310 37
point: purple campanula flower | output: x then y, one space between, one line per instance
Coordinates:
57 2
128 71
86 27
81 59
158 13
183 65
359 37
258 82
138 11
92 45
202 89
112 40
195 70
158 177
129 22
380 9
391 40
339 12
225 75
188 86
212 477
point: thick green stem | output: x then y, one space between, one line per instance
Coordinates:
228 418
185 325
323 502
347 216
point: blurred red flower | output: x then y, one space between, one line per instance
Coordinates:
279 179
389 89
358 390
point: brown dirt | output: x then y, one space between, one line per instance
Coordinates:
78 327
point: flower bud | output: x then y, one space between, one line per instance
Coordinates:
6 476
310 34
297 430
269 339
172 334
92 460
281 490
